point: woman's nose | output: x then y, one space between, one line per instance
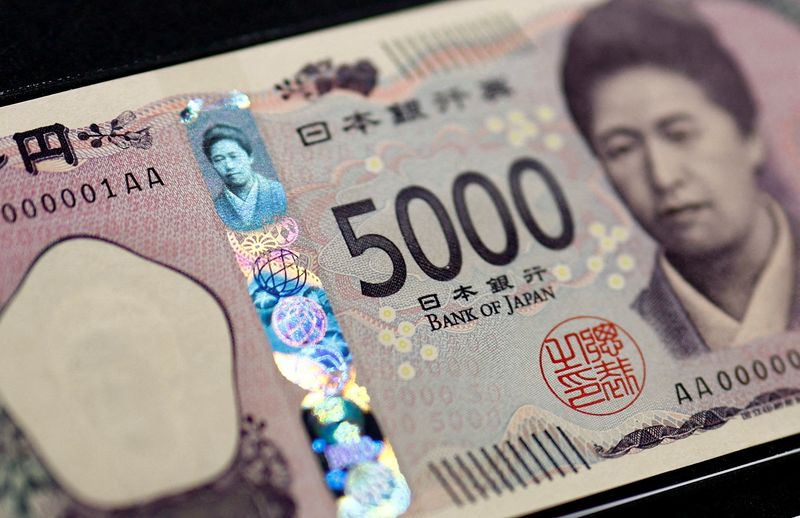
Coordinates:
665 165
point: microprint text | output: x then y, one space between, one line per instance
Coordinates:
86 193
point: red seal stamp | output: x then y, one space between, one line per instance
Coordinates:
592 365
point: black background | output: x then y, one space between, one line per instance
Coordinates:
51 46
767 489
47 47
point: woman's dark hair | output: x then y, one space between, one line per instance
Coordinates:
668 34
224 132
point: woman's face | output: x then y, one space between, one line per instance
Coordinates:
232 163
677 159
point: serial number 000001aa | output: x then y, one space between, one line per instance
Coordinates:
86 193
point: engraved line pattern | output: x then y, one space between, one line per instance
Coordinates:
510 467
479 488
652 436
521 461
497 470
547 453
571 465
482 471
445 484
575 449
458 480
504 466
456 46
536 459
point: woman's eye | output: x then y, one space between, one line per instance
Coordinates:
680 136
616 151
680 133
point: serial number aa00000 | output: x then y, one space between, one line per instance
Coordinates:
740 375
83 194
357 245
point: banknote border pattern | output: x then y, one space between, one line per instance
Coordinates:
710 419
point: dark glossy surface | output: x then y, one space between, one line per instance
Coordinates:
51 46
733 485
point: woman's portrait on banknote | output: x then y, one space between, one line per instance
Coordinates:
668 112
248 196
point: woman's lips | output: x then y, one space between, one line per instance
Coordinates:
682 213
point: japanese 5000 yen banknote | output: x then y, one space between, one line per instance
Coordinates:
474 258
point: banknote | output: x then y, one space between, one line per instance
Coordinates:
479 258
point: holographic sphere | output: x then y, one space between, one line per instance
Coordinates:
299 321
279 273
